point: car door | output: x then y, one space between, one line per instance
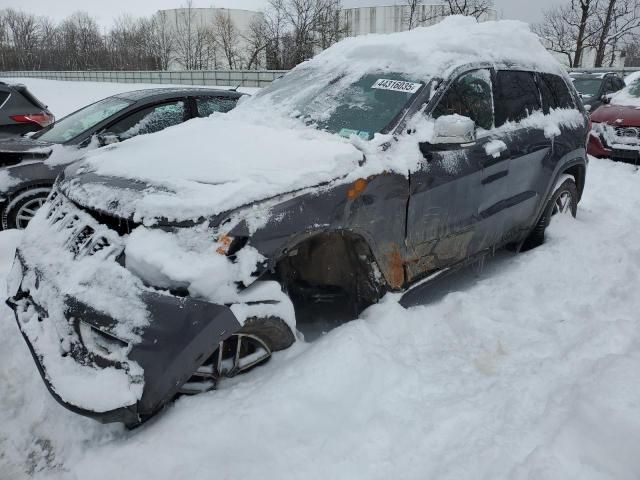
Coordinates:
449 216
149 119
517 96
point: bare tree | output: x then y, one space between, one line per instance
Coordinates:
471 8
297 28
559 33
256 41
412 19
227 38
613 21
162 40
569 29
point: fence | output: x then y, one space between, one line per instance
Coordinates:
242 78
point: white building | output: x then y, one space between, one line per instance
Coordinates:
395 18
183 20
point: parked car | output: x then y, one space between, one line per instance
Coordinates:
28 176
21 112
382 162
616 126
596 88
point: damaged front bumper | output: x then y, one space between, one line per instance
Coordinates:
182 333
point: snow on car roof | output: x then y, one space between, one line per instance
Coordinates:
437 50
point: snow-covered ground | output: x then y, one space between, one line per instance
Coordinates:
63 97
528 368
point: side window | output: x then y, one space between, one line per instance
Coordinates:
150 120
3 97
516 96
209 105
555 93
470 96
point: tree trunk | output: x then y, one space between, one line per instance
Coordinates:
602 41
585 5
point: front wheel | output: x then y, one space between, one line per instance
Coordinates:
23 207
564 201
249 347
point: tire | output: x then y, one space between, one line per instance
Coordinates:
22 208
563 201
273 331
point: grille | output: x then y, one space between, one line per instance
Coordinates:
80 233
628 132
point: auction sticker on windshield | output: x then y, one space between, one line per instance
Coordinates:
396 85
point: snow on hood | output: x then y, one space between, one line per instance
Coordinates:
208 166
630 95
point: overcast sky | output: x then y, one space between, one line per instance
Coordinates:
106 10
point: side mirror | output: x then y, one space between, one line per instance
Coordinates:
105 139
454 129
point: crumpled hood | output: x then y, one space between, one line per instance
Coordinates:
617 115
205 167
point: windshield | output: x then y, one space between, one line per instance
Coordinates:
587 86
73 125
362 106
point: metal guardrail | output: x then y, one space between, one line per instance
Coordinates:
243 78
620 70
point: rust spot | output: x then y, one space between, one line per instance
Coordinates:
394 266
224 242
356 188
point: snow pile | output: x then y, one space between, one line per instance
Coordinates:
527 369
7 181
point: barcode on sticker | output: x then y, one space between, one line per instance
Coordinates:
396 85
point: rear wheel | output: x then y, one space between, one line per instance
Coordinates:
250 347
564 201
23 207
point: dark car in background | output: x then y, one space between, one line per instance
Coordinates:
21 112
595 88
25 176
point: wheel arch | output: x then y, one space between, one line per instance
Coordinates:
337 257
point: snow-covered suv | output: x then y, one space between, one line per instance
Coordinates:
177 259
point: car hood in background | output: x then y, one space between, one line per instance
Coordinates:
205 167
617 115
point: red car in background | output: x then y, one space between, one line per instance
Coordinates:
616 126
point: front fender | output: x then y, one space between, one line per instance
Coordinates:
373 209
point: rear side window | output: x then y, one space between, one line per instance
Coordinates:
3 97
210 105
555 93
516 96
